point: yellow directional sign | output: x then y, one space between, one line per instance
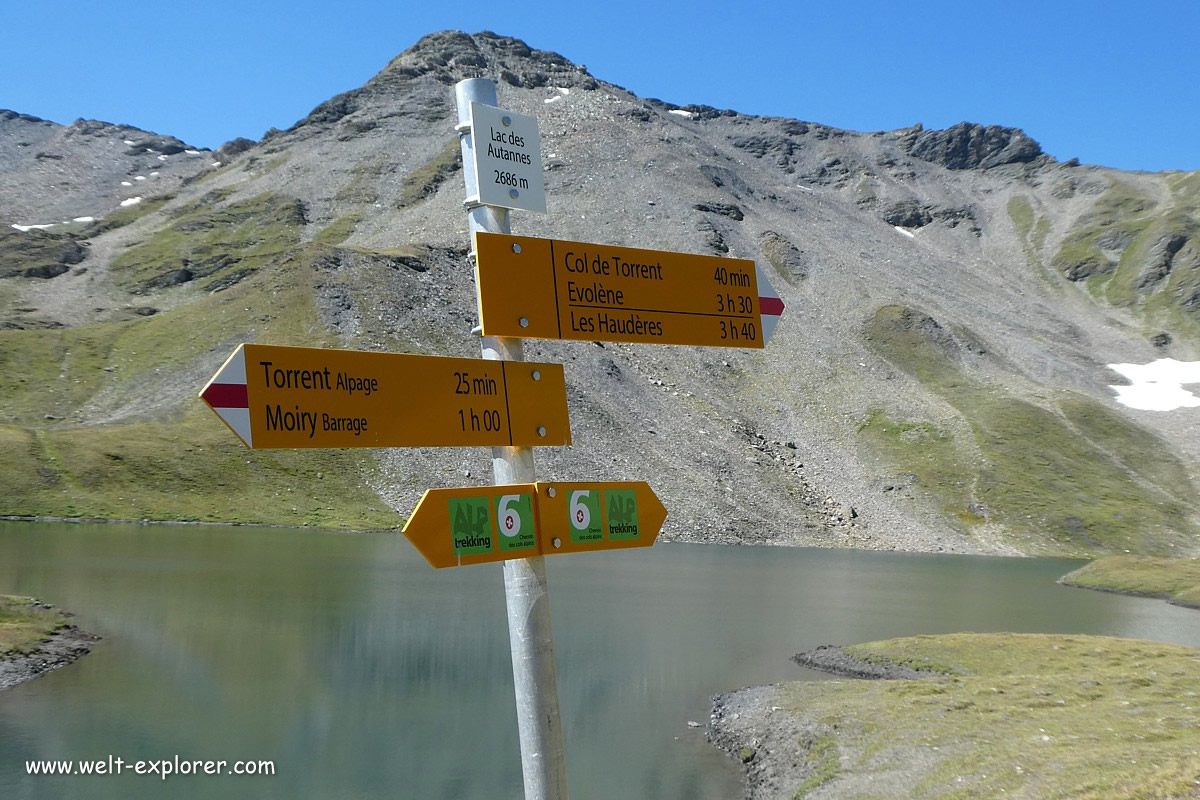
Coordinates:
551 289
276 397
455 527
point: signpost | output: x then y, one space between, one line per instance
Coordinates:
526 590
551 289
294 397
457 527
273 397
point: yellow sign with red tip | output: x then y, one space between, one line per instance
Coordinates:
275 397
551 289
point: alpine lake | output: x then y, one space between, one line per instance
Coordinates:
361 672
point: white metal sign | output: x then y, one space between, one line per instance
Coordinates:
508 159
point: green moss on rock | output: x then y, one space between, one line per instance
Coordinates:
210 245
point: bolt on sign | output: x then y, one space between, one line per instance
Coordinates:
284 397
456 527
553 289
508 159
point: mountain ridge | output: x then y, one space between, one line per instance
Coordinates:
937 312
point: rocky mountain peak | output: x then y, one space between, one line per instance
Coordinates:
138 140
969 145
447 57
52 173
452 56
7 115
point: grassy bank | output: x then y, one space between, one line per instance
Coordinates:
102 420
1174 579
24 624
1010 715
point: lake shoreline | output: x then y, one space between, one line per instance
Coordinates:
1173 579
1165 597
996 714
183 523
662 539
64 646
747 724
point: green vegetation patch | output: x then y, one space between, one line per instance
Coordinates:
930 456
921 346
214 246
1032 230
190 469
1079 256
1174 579
126 216
51 372
425 181
1119 203
37 253
1044 478
127 437
1019 715
149 363
1120 249
1040 233
24 624
1021 213
1128 285
1072 478
821 761
338 231
204 202
1117 219
363 188
1140 451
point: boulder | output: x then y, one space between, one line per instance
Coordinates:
906 214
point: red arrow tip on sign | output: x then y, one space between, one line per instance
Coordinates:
770 305
227 396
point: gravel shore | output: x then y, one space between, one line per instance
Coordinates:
62 648
780 750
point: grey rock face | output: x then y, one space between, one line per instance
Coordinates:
973 146
906 214
92 166
1086 267
724 209
233 148
7 115
787 259
38 253
448 57
1159 259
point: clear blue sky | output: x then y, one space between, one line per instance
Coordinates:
1113 83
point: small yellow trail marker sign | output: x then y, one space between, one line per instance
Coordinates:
456 527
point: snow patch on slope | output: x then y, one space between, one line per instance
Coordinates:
1158 386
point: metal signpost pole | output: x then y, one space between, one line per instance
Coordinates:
543 760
